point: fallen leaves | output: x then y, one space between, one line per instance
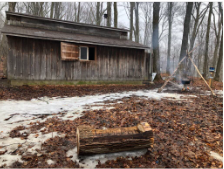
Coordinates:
182 130
192 128
29 92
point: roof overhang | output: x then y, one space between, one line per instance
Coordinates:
69 37
8 14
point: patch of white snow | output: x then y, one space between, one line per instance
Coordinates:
49 162
92 161
216 156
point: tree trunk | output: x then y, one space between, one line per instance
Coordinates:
97 141
155 41
195 28
136 22
12 6
52 10
57 7
219 63
4 44
98 13
115 14
131 19
187 21
78 15
216 46
221 12
109 14
170 6
205 68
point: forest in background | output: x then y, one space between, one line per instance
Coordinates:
169 28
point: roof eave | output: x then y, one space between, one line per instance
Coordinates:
74 41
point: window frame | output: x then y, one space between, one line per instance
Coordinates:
87 53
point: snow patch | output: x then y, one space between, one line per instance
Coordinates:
92 161
29 146
219 93
216 156
8 159
49 162
56 105
37 141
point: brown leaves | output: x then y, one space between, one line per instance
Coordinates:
181 131
178 132
29 92
192 128
3 152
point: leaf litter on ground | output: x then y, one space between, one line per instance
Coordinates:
185 133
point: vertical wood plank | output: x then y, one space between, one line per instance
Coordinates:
32 55
53 61
10 73
48 61
42 54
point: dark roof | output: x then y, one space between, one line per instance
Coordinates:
62 21
69 37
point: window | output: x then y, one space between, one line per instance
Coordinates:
91 53
84 53
87 53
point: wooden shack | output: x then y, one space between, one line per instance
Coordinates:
49 51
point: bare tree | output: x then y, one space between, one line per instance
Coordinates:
131 19
78 14
98 13
115 14
4 45
52 10
155 40
36 8
57 10
109 14
170 19
186 30
146 8
205 68
219 63
197 21
136 22
12 6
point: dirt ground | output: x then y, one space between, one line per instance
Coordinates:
186 131
29 92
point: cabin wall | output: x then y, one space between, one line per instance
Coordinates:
33 59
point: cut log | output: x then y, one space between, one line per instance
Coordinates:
96 141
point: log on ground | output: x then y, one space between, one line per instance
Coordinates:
96 141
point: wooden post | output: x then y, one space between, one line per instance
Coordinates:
210 82
201 76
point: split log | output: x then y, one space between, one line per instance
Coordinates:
96 141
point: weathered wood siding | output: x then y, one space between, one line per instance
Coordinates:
33 59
